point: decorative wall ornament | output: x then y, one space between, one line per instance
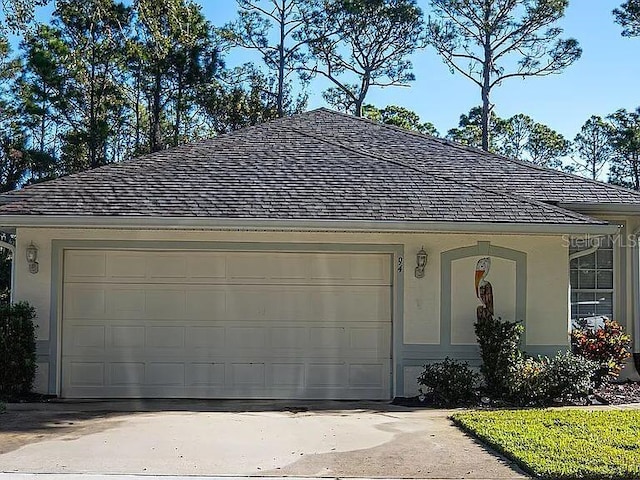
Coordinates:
32 257
484 290
421 263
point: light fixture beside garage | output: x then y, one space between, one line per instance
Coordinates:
32 257
421 260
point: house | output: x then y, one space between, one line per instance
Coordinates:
316 256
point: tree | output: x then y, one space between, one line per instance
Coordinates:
469 131
13 162
593 146
173 61
628 16
41 95
281 52
514 135
625 164
546 147
18 14
400 117
85 45
518 137
359 44
489 41
241 104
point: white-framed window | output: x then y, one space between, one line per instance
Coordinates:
592 281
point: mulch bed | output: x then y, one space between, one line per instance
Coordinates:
608 394
619 393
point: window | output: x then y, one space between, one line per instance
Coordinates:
592 282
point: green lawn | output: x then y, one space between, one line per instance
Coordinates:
562 443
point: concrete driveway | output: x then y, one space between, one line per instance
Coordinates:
327 439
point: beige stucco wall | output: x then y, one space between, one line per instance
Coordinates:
547 282
625 290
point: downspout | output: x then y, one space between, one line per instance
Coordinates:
12 249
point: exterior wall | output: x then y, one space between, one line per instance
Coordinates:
417 323
627 282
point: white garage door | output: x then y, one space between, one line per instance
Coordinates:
226 324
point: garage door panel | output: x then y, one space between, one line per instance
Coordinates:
164 337
88 336
206 303
229 339
327 375
246 374
86 374
124 303
84 302
207 267
205 374
166 266
126 266
288 374
126 373
86 265
165 373
124 336
365 375
226 325
199 337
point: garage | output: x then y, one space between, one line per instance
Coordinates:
226 324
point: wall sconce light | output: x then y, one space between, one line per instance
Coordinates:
32 257
421 260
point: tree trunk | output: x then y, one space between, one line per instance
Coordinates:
486 78
92 113
176 130
156 134
281 61
137 112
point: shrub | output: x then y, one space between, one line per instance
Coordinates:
568 375
540 381
608 346
500 352
527 382
17 349
450 383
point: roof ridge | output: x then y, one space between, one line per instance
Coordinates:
445 141
530 201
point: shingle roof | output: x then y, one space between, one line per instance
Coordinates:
463 163
315 166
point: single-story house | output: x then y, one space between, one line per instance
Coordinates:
315 256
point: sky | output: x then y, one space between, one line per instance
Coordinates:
605 79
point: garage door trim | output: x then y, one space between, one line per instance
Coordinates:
51 350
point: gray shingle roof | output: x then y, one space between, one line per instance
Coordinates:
463 163
316 166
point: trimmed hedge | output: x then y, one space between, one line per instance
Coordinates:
17 349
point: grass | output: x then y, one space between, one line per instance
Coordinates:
562 443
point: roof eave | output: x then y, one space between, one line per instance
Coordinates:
209 223
602 208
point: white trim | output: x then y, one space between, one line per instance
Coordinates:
181 223
610 208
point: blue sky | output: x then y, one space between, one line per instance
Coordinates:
606 78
